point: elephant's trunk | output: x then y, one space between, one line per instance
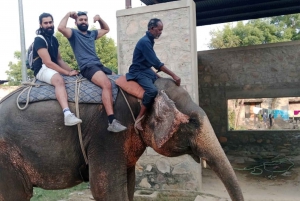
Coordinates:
207 147
227 175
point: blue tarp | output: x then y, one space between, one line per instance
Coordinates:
284 114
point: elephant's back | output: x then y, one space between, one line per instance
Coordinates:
14 121
7 98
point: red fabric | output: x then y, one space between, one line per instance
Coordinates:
130 87
296 112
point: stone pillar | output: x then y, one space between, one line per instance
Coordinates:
176 48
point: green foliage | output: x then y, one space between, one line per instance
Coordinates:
15 71
54 195
258 31
289 25
231 120
66 51
107 51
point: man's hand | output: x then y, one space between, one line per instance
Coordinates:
73 15
177 80
97 18
73 72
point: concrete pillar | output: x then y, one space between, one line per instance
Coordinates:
176 48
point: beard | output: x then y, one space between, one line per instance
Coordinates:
83 27
49 31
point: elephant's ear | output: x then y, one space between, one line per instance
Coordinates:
165 119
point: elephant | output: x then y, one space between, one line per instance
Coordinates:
37 150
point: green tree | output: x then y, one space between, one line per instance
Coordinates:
15 71
289 25
258 31
66 51
105 48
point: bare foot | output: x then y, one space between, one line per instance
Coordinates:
138 123
138 126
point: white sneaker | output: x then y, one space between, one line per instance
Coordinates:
71 120
116 127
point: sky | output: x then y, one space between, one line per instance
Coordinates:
10 31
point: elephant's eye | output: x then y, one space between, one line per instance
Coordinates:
194 122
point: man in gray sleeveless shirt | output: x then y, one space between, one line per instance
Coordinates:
83 44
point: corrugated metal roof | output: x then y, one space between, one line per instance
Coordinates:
220 11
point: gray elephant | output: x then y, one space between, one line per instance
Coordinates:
37 150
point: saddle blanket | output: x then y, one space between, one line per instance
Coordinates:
88 92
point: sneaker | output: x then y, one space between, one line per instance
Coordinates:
71 120
115 126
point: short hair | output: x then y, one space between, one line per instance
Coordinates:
80 13
43 15
153 23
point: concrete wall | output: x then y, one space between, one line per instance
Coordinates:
176 48
262 71
162 173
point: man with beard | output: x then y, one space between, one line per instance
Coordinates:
48 65
144 58
83 44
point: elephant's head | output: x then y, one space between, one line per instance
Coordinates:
176 126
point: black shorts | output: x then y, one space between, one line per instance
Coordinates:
89 71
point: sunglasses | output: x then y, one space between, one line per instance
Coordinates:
79 13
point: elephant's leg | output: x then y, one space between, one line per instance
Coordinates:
12 184
108 182
131 182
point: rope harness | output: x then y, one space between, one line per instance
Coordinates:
27 86
275 165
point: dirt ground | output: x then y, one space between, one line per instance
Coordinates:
255 188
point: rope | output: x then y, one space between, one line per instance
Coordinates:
125 100
127 104
77 93
27 98
266 166
28 86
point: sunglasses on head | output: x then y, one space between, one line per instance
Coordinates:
79 13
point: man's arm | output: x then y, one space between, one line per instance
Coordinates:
44 55
104 28
65 66
173 75
62 27
151 57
